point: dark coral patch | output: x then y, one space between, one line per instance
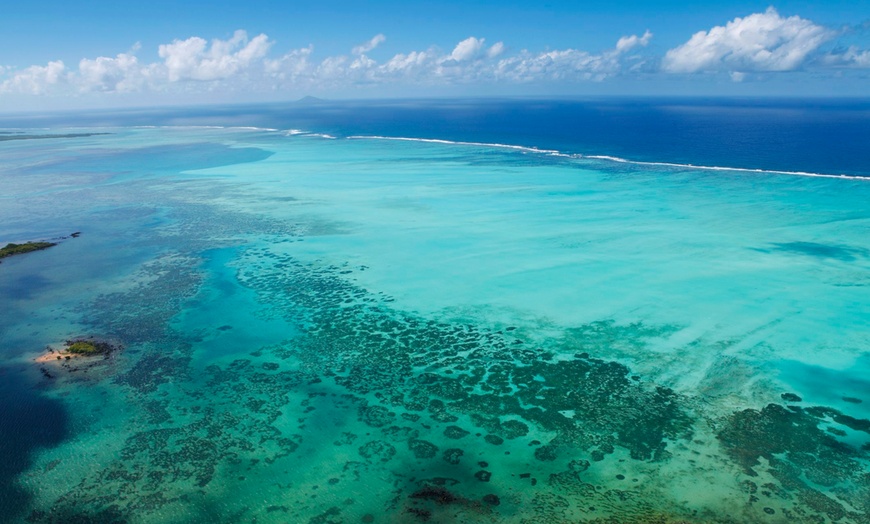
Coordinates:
376 416
495 440
436 494
492 500
377 450
795 448
546 453
483 475
455 432
452 455
422 449
514 428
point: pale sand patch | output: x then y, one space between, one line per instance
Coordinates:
55 355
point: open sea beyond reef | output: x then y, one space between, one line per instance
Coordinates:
519 311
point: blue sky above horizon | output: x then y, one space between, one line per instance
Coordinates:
57 54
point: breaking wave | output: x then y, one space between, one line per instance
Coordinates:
608 158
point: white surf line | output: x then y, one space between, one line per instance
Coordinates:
252 128
608 158
299 132
454 142
183 127
720 168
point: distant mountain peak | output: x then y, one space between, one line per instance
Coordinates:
310 100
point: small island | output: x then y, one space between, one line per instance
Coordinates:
19 249
27 247
79 347
79 354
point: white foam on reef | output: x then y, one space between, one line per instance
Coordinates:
528 149
721 168
608 158
191 127
252 128
229 128
299 132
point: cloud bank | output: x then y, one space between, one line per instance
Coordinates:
745 47
244 63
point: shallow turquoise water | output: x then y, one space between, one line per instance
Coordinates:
379 331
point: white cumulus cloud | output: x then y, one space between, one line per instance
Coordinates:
851 57
122 73
36 80
495 50
759 42
194 59
293 64
569 64
405 64
627 43
468 49
371 44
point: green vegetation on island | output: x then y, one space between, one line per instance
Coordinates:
83 347
19 249
88 347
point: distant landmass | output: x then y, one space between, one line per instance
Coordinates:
10 136
310 100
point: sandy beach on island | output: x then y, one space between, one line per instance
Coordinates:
50 355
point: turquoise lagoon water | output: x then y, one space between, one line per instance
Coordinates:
371 330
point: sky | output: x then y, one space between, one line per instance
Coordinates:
68 55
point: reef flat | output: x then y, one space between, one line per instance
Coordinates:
444 421
324 331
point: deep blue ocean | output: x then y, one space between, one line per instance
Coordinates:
827 136
438 311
